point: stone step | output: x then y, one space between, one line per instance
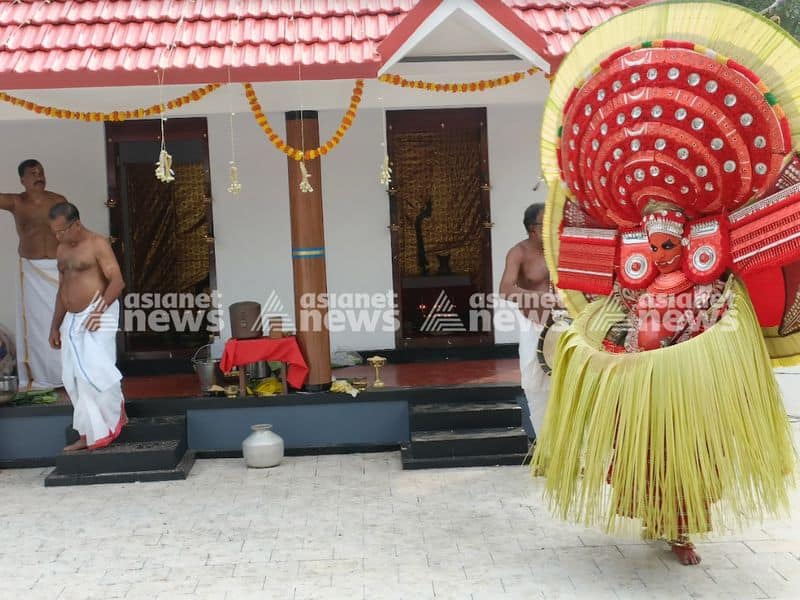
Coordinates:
155 455
464 415
469 442
449 462
145 429
179 471
480 394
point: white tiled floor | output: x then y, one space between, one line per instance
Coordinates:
352 527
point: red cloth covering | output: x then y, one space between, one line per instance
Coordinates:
767 293
243 352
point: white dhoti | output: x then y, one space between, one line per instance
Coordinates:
91 377
534 382
38 365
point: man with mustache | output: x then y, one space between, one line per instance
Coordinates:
38 365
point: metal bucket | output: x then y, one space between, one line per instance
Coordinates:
8 388
258 370
207 369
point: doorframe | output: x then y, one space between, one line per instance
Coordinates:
190 128
429 119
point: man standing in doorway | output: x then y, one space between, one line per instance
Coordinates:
38 365
526 282
84 328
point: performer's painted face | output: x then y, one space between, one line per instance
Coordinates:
667 251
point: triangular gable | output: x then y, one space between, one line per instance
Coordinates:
495 17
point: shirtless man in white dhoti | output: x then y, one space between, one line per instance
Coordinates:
84 327
38 366
526 282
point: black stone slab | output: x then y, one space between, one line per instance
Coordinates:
474 442
145 429
155 455
178 472
464 415
450 462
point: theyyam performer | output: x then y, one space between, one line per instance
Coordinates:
672 230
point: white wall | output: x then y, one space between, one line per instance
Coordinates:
356 206
253 232
514 168
73 156
252 229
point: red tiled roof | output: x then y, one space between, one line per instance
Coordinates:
71 43
562 23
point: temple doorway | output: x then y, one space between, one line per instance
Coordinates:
162 234
440 225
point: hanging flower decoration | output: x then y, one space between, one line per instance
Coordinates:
305 184
323 149
235 187
117 115
474 86
164 172
385 173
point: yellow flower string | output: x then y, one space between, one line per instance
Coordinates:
474 86
117 115
323 149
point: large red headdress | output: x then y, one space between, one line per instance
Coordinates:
699 120
670 121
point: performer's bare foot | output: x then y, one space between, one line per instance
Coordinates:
79 445
685 552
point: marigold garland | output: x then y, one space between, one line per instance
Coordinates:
474 86
117 115
323 149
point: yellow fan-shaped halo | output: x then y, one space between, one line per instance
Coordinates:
752 40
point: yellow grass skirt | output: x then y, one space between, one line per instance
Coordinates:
679 433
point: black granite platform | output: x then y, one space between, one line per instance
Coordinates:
479 426
147 449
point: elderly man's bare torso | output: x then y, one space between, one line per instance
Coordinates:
30 211
82 279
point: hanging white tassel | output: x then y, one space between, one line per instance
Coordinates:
305 184
164 172
235 187
385 173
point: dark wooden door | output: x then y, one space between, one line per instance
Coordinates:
440 223
162 234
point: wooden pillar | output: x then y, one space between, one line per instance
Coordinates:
308 248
